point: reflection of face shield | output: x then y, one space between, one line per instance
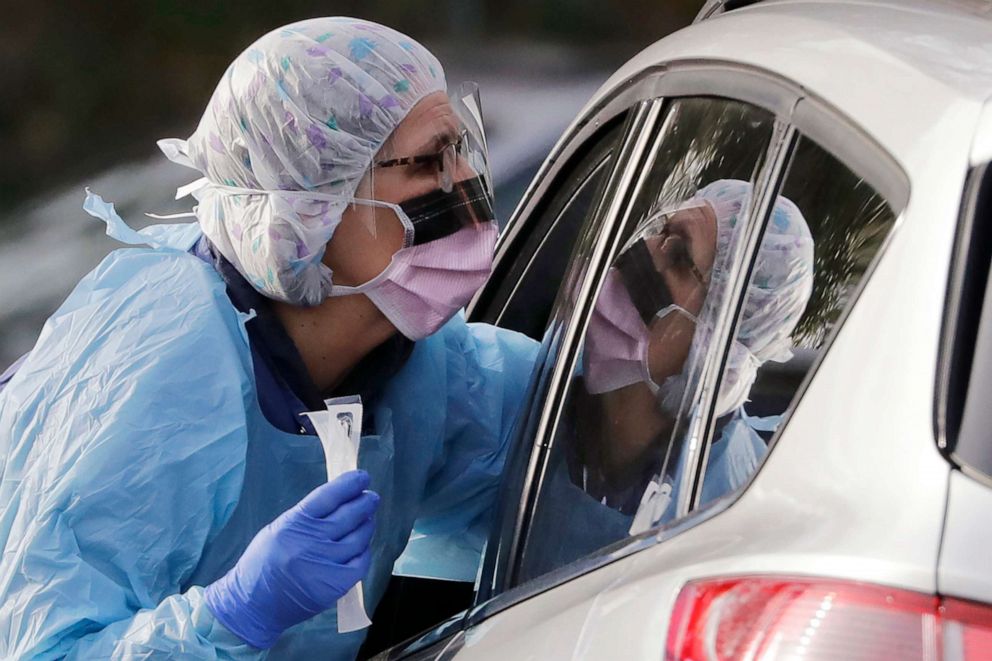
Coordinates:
656 245
662 226
646 287
653 303
621 331
638 309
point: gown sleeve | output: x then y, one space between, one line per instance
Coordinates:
122 449
488 371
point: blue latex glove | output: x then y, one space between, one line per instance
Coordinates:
300 564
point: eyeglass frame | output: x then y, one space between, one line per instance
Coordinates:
437 156
704 280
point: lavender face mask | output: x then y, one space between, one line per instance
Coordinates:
446 258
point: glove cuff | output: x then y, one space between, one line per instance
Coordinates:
236 614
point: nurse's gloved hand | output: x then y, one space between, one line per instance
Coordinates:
300 564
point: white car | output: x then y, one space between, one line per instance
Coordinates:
860 532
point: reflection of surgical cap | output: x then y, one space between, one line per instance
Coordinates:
305 108
776 297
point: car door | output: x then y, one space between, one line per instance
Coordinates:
563 518
556 524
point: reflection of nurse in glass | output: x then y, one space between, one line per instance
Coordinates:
651 320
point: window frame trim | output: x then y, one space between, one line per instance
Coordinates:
776 153
816 123
952 306
949 352
638 135
779 153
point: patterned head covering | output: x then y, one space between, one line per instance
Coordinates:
776 297
299 116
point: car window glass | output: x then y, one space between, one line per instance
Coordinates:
824 230
963 419
525 291
616 454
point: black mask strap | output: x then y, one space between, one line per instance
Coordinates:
437 214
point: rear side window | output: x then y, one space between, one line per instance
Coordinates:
823 231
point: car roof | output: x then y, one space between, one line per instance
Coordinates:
981 8
897 68
949 40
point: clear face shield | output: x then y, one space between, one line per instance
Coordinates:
472 147
461 145
449 179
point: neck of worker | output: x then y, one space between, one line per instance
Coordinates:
334 336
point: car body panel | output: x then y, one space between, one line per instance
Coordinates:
981 148
965 559
557 626
818 506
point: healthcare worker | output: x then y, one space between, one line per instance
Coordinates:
163 485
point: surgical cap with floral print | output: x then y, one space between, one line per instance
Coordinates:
298 116
775 299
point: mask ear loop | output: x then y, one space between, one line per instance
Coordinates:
449 162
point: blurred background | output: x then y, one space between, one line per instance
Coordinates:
89 87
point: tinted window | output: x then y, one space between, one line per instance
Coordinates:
525 289
823 231
964 422
616 457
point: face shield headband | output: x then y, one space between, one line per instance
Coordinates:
276 238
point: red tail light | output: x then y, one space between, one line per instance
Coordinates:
758 619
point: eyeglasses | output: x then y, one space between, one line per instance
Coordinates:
681 258
444 160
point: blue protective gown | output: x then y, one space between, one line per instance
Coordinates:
136 464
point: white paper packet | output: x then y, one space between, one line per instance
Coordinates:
340 430
654 501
